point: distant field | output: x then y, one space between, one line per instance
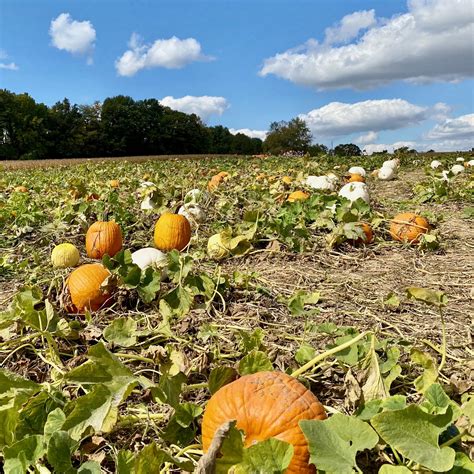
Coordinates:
25 164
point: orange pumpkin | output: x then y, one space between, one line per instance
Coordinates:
84 287
368 237
114 183
408 227
172 231
355 177
286 180
214 182
21 189
298 196
265 405
103 238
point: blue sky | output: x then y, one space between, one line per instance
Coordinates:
373 72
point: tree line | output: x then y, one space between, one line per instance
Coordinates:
120 126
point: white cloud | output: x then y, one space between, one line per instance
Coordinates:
459 128
367 137
441 111
262 134
337 118
77 37
203 106
11 66
378 147
431 42
350 26
172 53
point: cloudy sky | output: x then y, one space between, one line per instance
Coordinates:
376 73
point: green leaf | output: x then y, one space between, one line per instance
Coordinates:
24 452
221 376
231 450
414 433
350 355
60 448
150 460
374 386
89 467
251 340
169 388
271 455
122 332
124 462
305 353
435 402
54 422
150 285
389 469
392 301
430 373
462 464
186 413
179 300
334 443
255 361
301 298
431 297
94 410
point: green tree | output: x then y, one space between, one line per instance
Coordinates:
288 136
317 149
347 149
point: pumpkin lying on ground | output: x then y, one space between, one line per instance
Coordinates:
265 405
103 237
114 183
172 231
21 189
355 178
65 255
148 257
298 196
368 236
84 285
408 227
286 180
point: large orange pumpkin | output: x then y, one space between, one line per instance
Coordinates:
298 196
265 405
408 227
103 237
214 182
172 231
84 287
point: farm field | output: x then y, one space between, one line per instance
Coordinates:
379 330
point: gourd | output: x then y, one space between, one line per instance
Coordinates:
103 237
460 159
65 255
148 257
192 212
172 231
354 191
408 227
298 196
216 248
469 164
391 163
84 285
357 170
321 183
195 196
386 173
435 164
265 405
214 183
356 178
456 169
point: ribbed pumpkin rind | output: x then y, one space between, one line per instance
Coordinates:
84 287
103 238
408 227
265 405
172 232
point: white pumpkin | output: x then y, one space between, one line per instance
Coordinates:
460 159
148 257
444 175
435 164
354 191
357 170
456 169
148 203
216 248
387 173
192 212
321 182
195 196
391 163
470 163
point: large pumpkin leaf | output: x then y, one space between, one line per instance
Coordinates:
221 376
122 332
334 443
414 433
255 361
24 453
